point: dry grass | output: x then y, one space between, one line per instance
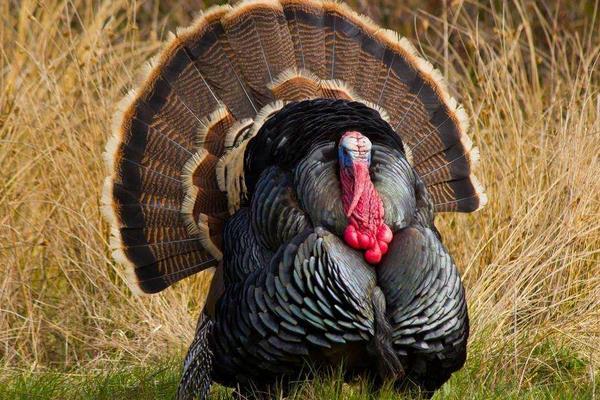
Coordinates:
528 74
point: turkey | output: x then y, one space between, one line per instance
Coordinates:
302 152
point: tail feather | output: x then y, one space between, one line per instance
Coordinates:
165 110
148 216
394 94
373 73
259 36
342 43
187 84
451 164
212 55
306 22
212 136
463 193
177 156
295 85
337 89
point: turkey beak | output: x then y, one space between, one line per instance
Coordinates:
360 171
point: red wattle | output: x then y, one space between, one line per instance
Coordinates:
362 204
384 233
364 240
373 255
383 247
351 237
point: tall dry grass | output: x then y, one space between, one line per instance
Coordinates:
527 72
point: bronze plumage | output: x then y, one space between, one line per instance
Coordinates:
228 156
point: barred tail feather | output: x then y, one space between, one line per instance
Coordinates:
179 139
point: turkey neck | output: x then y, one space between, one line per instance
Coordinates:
360 199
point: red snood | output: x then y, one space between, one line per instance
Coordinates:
364 209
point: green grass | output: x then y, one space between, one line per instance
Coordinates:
160 380
157 381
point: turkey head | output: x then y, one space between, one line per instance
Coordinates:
362 203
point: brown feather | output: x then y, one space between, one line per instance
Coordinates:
293 85
308 38
259 36
342 50
176 159
215 61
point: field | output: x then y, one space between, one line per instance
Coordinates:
528 74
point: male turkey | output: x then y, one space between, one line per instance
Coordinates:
302 151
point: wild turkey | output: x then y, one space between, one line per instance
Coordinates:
303 152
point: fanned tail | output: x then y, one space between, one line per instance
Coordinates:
176 159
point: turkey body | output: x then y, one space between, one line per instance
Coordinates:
303 153
295 293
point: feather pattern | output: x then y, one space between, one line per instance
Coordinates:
226 156
429 310
213 78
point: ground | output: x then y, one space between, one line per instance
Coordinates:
527 74
160 382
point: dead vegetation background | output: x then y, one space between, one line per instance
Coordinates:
527 72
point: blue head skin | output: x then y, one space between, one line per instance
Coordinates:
354 148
